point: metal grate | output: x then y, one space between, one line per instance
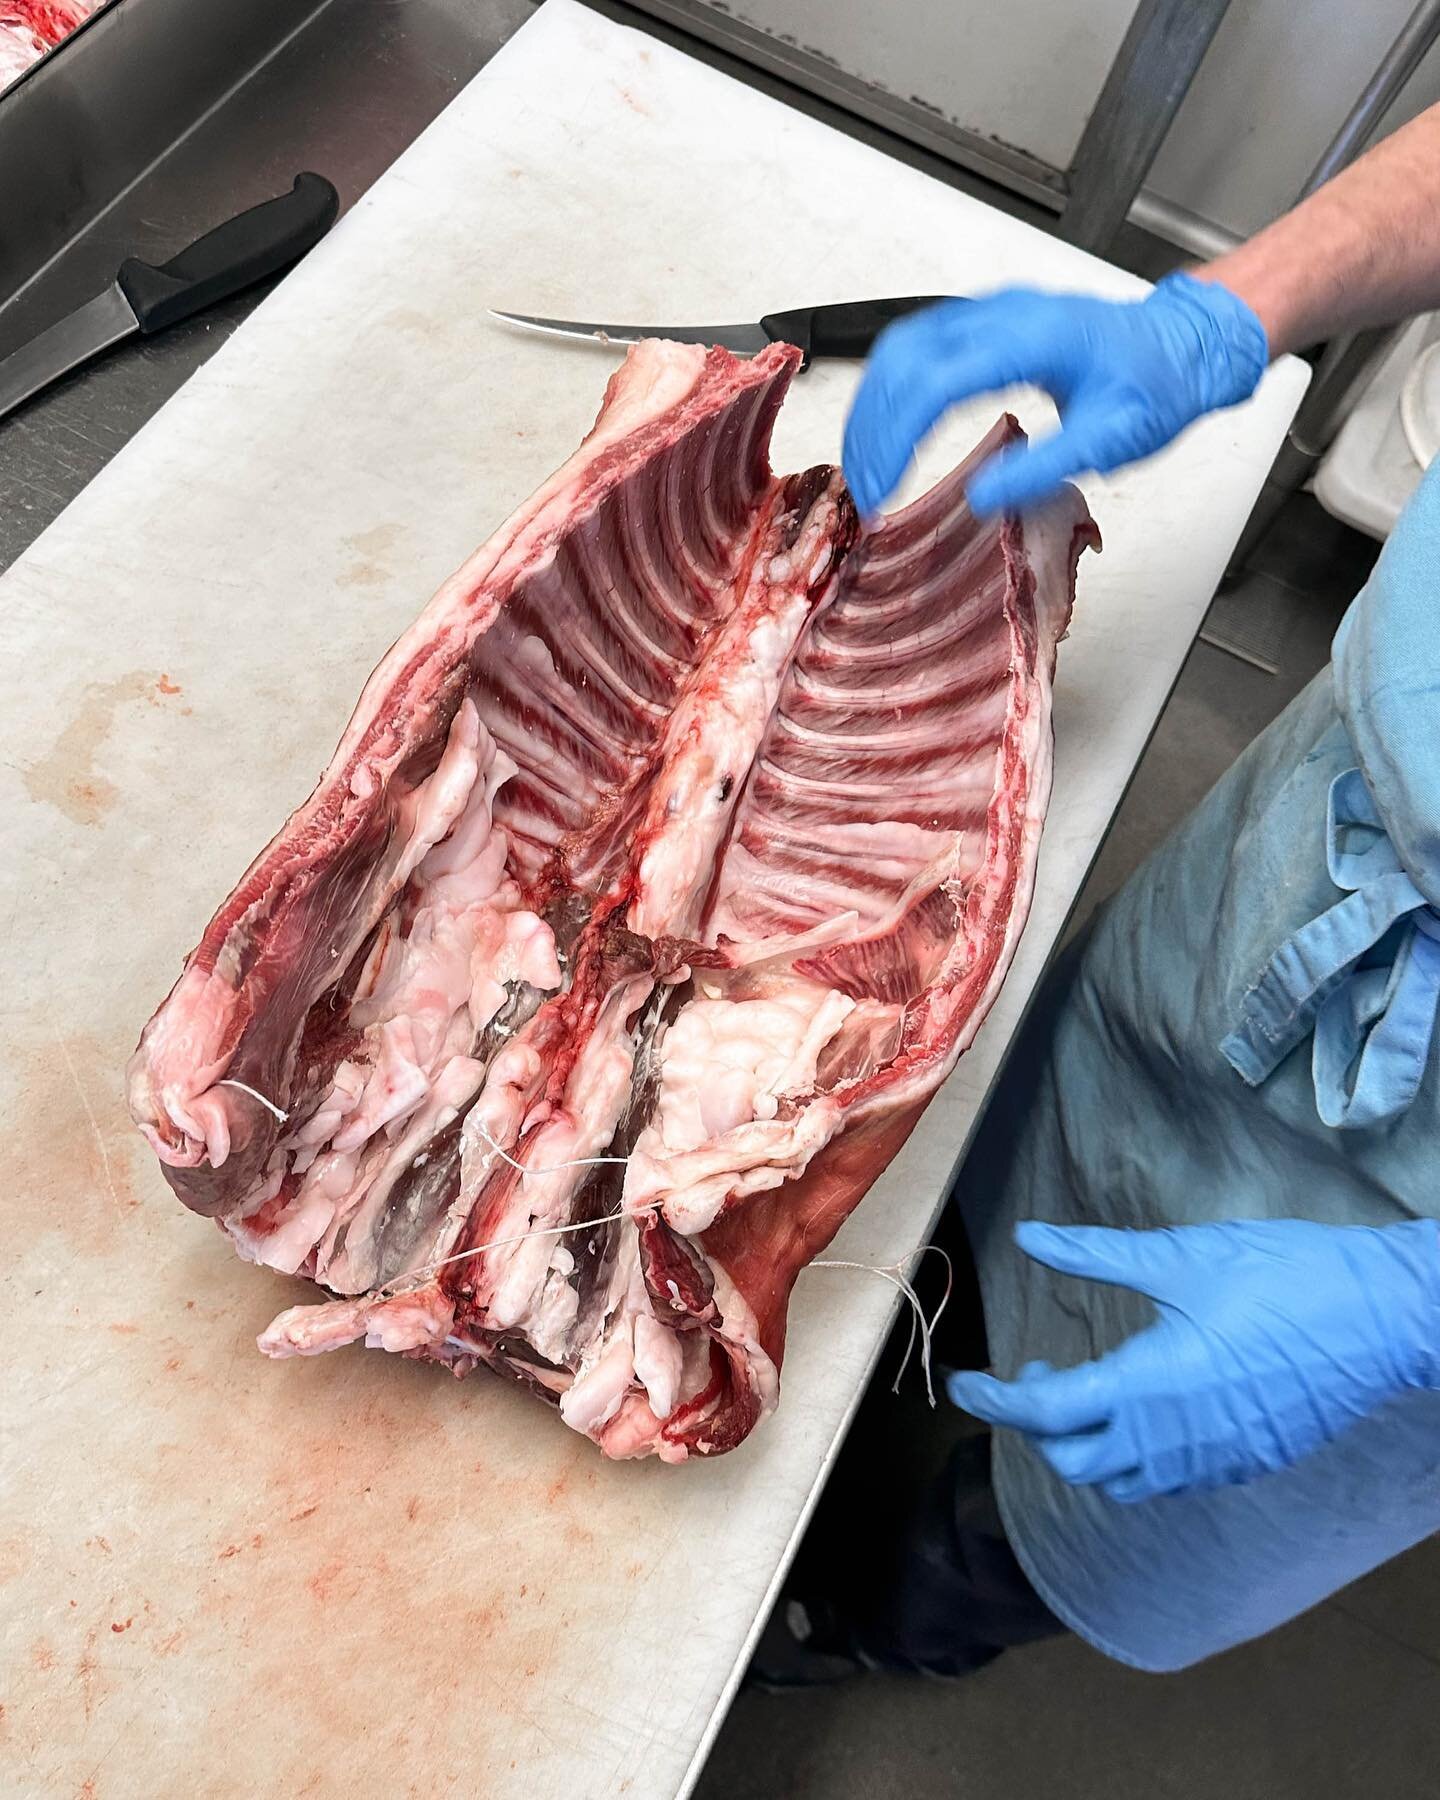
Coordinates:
1252 622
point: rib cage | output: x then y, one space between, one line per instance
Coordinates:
689 825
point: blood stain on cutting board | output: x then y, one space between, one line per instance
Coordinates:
15 1552
414 322
429 1643
336 1541
370 550
353 1597
66 776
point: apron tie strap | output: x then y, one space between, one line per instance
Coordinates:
1372 1024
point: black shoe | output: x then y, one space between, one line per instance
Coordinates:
807 1643
804 1644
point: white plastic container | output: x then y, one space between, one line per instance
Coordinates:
1375 463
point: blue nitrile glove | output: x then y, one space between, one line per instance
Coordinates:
1127 376
1272 1338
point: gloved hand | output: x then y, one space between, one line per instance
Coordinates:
1127 377
1272 1338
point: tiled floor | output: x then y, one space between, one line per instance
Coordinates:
1325 1707
1343 1703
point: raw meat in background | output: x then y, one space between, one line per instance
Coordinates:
665 868
31 28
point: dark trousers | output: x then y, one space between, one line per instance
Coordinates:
945 1594
907 1553
907 1545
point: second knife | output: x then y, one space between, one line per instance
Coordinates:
840 328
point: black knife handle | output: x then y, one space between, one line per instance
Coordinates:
843 328
233 256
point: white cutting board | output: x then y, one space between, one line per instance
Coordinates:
355 1575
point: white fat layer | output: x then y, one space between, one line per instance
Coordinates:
580 1127
725 1066
427 994
633 1353
659 1363
497 1116
552 1318
185 1053
409 1321
607 1366
637 1429
691 1186
385 1161
726 1062
594 1397
694 803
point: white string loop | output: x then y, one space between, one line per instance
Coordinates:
921 1326
245 1088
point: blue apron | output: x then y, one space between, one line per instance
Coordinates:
1244 1033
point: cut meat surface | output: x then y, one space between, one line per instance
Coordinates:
666 866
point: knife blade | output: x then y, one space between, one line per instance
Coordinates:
842 328
147 297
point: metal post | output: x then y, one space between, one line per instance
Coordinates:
1381 92
1148 80
1344 369
1350 361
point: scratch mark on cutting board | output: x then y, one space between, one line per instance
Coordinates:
66 776
64 1050
87 1673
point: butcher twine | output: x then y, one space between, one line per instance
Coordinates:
921 1326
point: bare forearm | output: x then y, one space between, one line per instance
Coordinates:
1364 250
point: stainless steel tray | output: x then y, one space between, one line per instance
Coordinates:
87 122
